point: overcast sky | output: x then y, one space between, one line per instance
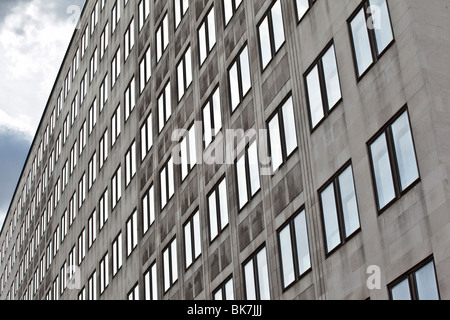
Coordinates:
34 36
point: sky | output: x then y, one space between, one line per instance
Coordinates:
34 36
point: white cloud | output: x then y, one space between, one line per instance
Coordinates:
33 41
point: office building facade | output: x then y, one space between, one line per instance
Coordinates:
229 149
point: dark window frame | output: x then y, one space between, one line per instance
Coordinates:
268 15
221 288
190 221
168 197
253 259
182 14
162 95
116 254
234 10
279 111
215 190
334 180
237 61
210 104
170 266
290 223
410 276
327 109
183 64
300 19
387 130
133 228
365 6
209 48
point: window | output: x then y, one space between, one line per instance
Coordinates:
323 87
82 246
66 85
92 229
218 209
282 134
64 225
371 32
184 73
93 65
146 137
207 35
151 283
130 98
294 248
129 39
188 152
144 12
92 287
103 209
104 41
117 254
82 294
162 37
167 183
134 293
82 191
130 164
225 292
94 17
84 41
393 159
104 273
115 126
92 170
239 78
103 149
271 33
74 110
116 187
72 208
164 107
145 69
181 7
302 7
93 116
230 8
82 137
148 209
256 277
104 93
75 63
420 283
192 239
247 171
339 209
115 68
115 15
170 265
132 233
212 118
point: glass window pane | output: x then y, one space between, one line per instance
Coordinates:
163 188
348 199
426 283
250 289
171 178
207 126
275 143
197 235
213 227
245 69
361 42
301 236
264 36
286 256
212 29
217 112
289 127
180 78
315 96
202 43
254 168
188 244
174 260
278 28
218 295
302 7
229 292
228 8
331 77
192 147
383 171
242 182
401 291
404 147
223 199
263 275
166 270
184 159
188 62
330 218
234 87
381 23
